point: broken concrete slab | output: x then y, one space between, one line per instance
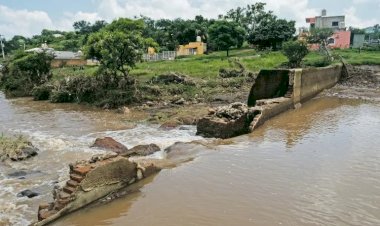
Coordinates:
273 92
92 180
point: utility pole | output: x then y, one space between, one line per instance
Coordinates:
2 47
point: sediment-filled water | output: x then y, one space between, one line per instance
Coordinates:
318 165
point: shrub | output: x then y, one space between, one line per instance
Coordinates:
42 92
107 91
24 71
16 86
295 51
116 98
61 96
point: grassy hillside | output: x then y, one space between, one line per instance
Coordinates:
207 66
353 56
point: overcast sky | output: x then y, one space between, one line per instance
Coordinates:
29 17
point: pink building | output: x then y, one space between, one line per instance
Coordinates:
340 40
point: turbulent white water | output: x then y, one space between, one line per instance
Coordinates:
63 135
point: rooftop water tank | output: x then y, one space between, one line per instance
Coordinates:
324 12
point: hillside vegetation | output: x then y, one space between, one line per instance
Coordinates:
208 66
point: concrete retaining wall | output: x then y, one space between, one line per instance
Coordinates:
269 84
311 81
303 84
274 92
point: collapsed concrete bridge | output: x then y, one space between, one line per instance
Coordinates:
274 92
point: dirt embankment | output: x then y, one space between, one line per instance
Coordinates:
360 82
362 77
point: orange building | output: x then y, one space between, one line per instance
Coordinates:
193 48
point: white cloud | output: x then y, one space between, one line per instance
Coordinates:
361 1
28 23
68 19
291 9
352 19
23 22
111 9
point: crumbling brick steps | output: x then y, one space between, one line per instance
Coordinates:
76 177
69 190
88 183
72 183
45 213
82 170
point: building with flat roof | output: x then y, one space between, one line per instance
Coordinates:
341 37
337 23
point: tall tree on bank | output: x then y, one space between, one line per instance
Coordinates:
246 17
171 33
224 35
271 32
119 46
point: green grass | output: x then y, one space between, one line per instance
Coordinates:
353 56
207 66
315 59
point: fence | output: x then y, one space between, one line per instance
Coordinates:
165 55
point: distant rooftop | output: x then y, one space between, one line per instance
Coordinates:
67 55
59 55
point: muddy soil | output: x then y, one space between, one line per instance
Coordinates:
361 82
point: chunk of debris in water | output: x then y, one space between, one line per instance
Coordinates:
91 180
108 143
27 193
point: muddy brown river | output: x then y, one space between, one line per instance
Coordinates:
318 165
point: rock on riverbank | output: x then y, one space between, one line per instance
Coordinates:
16 148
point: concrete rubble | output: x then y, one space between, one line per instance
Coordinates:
273 92
227 121
90 181
98 177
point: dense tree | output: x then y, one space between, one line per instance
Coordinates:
99 24
171 33
271 32
225 34
16 43
24 71
263 28
247 17
118 46
295 51
82 27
